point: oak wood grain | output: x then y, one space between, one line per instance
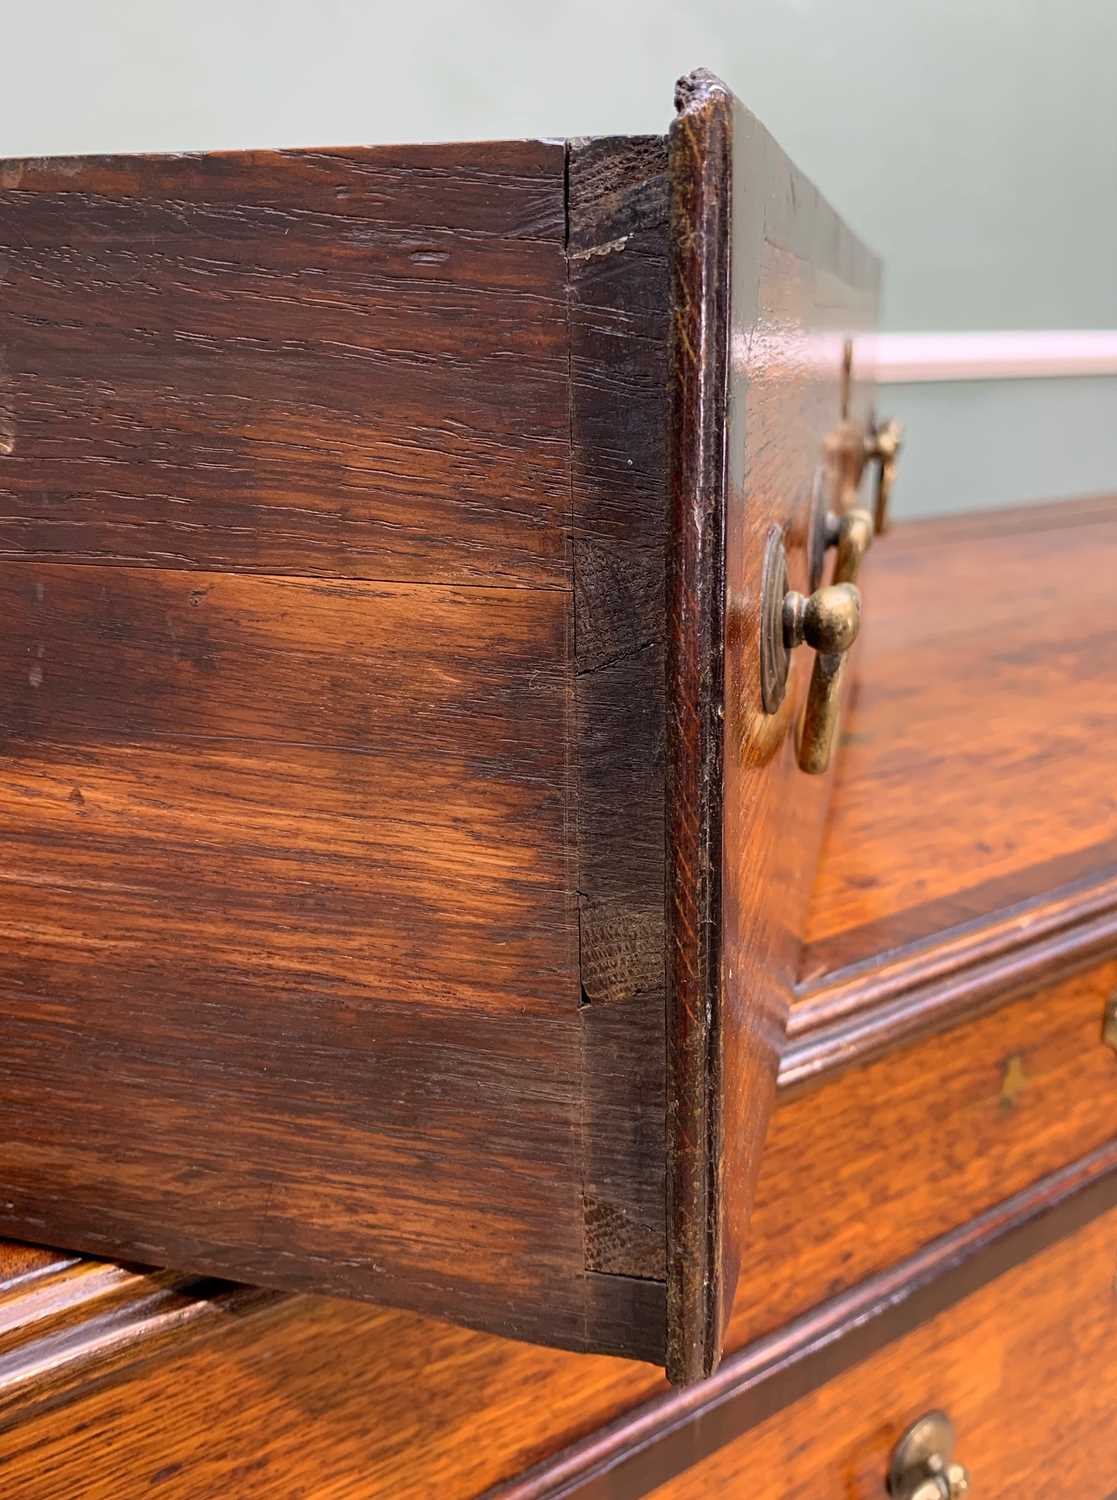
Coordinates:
862 1170
669 1437
289 362
844 1235
288 917
92 1324
284 861
619 291
1021 1093
114 1381
306 1392
854 1014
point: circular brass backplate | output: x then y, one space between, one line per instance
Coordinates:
773 651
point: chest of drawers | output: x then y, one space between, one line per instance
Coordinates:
414 893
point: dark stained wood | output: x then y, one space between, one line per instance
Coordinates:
768 284
975 774
305 842
1017 1290
700 165
289 362
284 861
619 324
617 200
288 918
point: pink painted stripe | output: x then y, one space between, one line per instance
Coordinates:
901 358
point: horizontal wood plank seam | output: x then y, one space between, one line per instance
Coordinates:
644 1448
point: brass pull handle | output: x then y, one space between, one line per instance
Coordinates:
923 1465
852 535
828 620
882 447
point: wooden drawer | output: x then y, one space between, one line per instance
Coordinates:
1024 1368
367 645
863 1170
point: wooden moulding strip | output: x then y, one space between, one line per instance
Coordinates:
650 1445
857 1013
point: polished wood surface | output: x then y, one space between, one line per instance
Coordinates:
976 768
671 1434
303 1395
276 849
114 1381
70 1325
335 716
763 272
331 918
123 1383
1024 1367
862 1170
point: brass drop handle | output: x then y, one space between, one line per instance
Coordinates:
852 536
828 620
923 1465
882 447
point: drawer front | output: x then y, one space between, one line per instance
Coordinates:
1024 1368
767 298
862 1171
